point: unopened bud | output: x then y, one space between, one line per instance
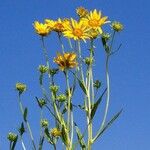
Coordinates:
117 26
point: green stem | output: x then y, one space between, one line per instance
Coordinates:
70 44
46 56
61 43
27 123
69 108
80 61
23 145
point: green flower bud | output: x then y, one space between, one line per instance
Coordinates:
117 26
88 60
12 137
61 97
54 88
20 87
41 102
97 84
44 123
53 71
106 36
43 69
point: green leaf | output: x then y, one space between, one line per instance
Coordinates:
14 144
80 137
41 143
47 133
64 136
21 129
41 79
96 104
25 114
106 47
82 86
108 125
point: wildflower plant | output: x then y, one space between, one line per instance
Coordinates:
77 70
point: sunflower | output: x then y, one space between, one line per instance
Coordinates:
76 30
94 20
58 25
66 60
41 29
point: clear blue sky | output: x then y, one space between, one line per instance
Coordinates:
20 55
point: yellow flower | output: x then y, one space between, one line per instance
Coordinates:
66 60
41 29
76 30
95 20
58 25
82 12
55 132
117 26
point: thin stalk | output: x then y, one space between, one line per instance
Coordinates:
27 123
46 56
23 145
10 145
107 96
61 43
91 72
69 107
80 61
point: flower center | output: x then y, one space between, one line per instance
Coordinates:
78 32
93 23
58 27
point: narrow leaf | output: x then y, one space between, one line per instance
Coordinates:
25 114
80 137
82 86
41 143
108 125
64 136
96 104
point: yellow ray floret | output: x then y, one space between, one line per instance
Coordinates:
76 30
41 29
66 60
57 25
95 20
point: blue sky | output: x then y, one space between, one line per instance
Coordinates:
20 55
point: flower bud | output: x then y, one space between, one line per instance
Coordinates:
41 102
97 84
54 88
55 132
12 137
44 123
20 87
106 36
117 26
61 97
53 71
88 60
43 69
82 12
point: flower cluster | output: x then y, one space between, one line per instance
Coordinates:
58 99
88 26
